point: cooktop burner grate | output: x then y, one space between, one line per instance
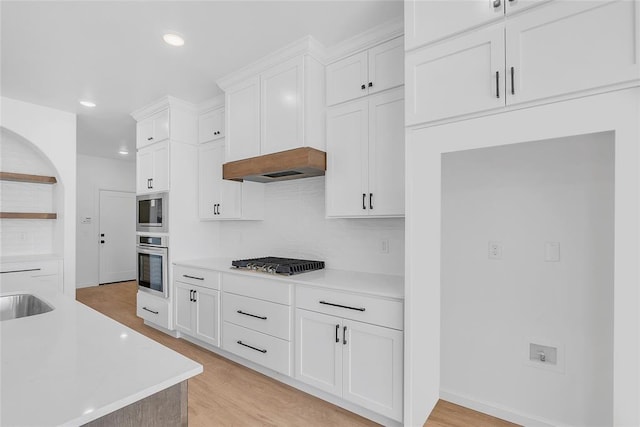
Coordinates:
275 265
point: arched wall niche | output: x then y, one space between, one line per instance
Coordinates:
22 237
51 134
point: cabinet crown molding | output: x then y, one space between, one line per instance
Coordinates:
366 40
305 46
211 104
162 104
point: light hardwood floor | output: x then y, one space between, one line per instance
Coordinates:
228 394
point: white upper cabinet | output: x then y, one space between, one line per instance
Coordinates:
571 46
211 125
347 79
428 21
220 198
365 157
152 168
457 77
377 69
549 51
153 129
276 104
243 119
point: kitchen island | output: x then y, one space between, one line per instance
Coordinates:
73 366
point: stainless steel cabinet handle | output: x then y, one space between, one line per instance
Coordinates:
261 350
192 277
252 315
342 306
150 311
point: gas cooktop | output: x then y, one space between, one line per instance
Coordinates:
275 265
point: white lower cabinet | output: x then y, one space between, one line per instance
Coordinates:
358 360
257 320
153 309
197 312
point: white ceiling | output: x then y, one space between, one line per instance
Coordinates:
54 53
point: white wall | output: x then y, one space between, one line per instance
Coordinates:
294 225
53 132
95 174
523 196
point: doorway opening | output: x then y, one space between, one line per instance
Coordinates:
117 236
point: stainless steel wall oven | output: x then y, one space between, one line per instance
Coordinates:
153 264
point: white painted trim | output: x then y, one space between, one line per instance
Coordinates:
366 40
211 104
162 104
305 46
497 411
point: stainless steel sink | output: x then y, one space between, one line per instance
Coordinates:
22 305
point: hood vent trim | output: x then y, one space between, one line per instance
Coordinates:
298 163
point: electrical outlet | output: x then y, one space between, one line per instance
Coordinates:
495 250
552 251
384 246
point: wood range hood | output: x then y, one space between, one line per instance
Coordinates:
298 163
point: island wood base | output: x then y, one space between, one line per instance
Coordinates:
165 408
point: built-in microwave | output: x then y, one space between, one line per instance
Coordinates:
151 213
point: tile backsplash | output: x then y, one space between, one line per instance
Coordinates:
294 225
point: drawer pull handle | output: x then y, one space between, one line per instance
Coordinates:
261 350
252 315
20 271
343 306
192 277
150 311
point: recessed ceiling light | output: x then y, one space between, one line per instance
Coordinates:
124 152
88 104
174 39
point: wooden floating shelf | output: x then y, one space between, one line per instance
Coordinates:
21 177
27 215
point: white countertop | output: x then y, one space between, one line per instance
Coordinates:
29 258
73 365
382 285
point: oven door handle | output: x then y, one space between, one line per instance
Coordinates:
142 249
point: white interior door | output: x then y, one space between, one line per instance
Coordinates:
117 236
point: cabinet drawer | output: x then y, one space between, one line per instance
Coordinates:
263 349
258 287
32 269
153 309
197 276
377 311
262 316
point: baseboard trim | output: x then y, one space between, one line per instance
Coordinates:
497 411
